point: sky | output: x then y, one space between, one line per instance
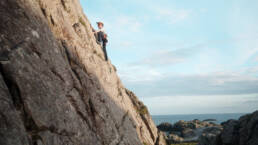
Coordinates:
181 56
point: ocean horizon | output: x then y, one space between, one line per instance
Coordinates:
219 117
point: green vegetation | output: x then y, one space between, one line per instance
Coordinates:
186 144
144 143
82 21
142 110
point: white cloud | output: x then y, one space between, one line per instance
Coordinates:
172 16
203 10
127 22
256 58
252 70
247 49
165 57
216 83
138 73
242 25
202 104
126 44
221 78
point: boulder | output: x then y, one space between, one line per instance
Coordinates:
176 133
172 139
208 139
181 125
194 124
210 120
166 127
210 136
213 130
188 133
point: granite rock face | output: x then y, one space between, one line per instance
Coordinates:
241 132
210 136
235 132
55 86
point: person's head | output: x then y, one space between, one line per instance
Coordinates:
100 25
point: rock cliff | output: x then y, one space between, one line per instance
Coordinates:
55 86
235 132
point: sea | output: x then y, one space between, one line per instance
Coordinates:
175 118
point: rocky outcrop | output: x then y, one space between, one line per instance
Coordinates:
165 126
210 120
188 131
241 132
174 139
210 136
235 132
55 86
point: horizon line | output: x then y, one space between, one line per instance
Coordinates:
200 114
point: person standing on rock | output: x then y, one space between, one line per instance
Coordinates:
101 38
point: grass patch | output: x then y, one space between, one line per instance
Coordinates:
144 143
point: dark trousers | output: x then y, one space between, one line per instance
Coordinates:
105 50
102 41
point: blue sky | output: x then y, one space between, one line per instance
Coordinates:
181 56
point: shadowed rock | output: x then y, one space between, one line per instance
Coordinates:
235 132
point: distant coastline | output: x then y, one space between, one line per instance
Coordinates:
219 117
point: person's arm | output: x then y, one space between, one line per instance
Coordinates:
105 38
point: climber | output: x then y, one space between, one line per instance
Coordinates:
101 38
